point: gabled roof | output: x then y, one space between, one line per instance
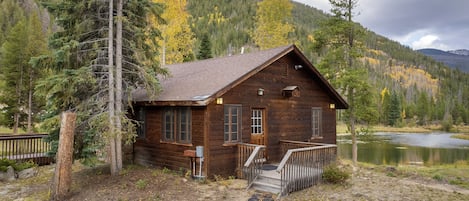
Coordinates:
200 82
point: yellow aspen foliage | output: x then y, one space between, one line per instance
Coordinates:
272 23
383 93
177 40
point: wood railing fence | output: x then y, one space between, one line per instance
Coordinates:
250 160
303 164
25 147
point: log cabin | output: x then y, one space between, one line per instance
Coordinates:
223 114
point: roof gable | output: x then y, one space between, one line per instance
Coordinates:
200 82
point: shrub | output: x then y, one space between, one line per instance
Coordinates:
141 184
332 174
4 163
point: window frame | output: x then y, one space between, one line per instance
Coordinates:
175 120
316 122
228 124
140 118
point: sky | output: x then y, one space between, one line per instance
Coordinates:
440 24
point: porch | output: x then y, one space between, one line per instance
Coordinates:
25 147
301 166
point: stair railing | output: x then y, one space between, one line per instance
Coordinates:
301 168
252 168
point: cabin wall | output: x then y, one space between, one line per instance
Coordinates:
150 150
287 118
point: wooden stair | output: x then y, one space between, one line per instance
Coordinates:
268 181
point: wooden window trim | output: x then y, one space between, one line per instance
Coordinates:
229 140
316 124
175 124
141 126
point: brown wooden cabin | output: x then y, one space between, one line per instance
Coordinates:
258 98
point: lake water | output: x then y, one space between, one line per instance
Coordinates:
406 148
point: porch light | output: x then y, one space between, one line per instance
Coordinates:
260 92
219 101
332 106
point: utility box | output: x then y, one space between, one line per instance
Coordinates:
199 151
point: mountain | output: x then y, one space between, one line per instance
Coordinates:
457 59
463 52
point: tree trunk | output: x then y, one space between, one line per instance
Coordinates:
111 104
30 101
119 86
63 169
350 96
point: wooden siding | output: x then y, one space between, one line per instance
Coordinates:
287 118
152 151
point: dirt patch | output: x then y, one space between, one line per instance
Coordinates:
143 183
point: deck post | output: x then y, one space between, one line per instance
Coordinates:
63 170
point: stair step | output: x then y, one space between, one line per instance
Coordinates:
270 180
265 186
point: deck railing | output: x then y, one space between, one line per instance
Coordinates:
250 159
25 147
303 164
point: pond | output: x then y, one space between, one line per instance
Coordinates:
406 148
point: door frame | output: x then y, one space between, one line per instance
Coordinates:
264 127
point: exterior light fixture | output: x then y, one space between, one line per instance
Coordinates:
332 106
219 101
298 67
260 92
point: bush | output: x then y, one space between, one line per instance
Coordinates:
332 174
4 163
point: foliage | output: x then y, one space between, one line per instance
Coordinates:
177 41
205 50
4 163
78 68
333 174
141 184
273 23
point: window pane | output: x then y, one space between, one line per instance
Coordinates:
232 118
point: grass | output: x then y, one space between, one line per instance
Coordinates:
461 136
342 129
454 174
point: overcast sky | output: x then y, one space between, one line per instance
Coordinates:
441 24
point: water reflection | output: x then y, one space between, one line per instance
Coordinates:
409 148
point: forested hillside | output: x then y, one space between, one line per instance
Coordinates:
407 87
427 91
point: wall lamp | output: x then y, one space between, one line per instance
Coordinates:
219 101
332 106
260 92
298 67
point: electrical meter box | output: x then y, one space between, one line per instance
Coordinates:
199 151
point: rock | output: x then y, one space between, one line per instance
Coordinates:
27 173
9 175
391 169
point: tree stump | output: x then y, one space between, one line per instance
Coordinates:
63 169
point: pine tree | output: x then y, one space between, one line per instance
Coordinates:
205 50
394 114
14 63
341 65
83 69
273 23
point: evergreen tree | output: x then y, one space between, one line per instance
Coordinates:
341 65
394 114
14 65
273 23
82 68
205 50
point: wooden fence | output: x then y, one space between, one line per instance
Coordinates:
25 147
250 157
303 164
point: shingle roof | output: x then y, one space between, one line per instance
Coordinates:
200 82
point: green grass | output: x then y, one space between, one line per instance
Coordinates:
461 136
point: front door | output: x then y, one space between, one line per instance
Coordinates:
258 131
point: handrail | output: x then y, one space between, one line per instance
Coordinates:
302 167
304 143
253 155
290 151
25 147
